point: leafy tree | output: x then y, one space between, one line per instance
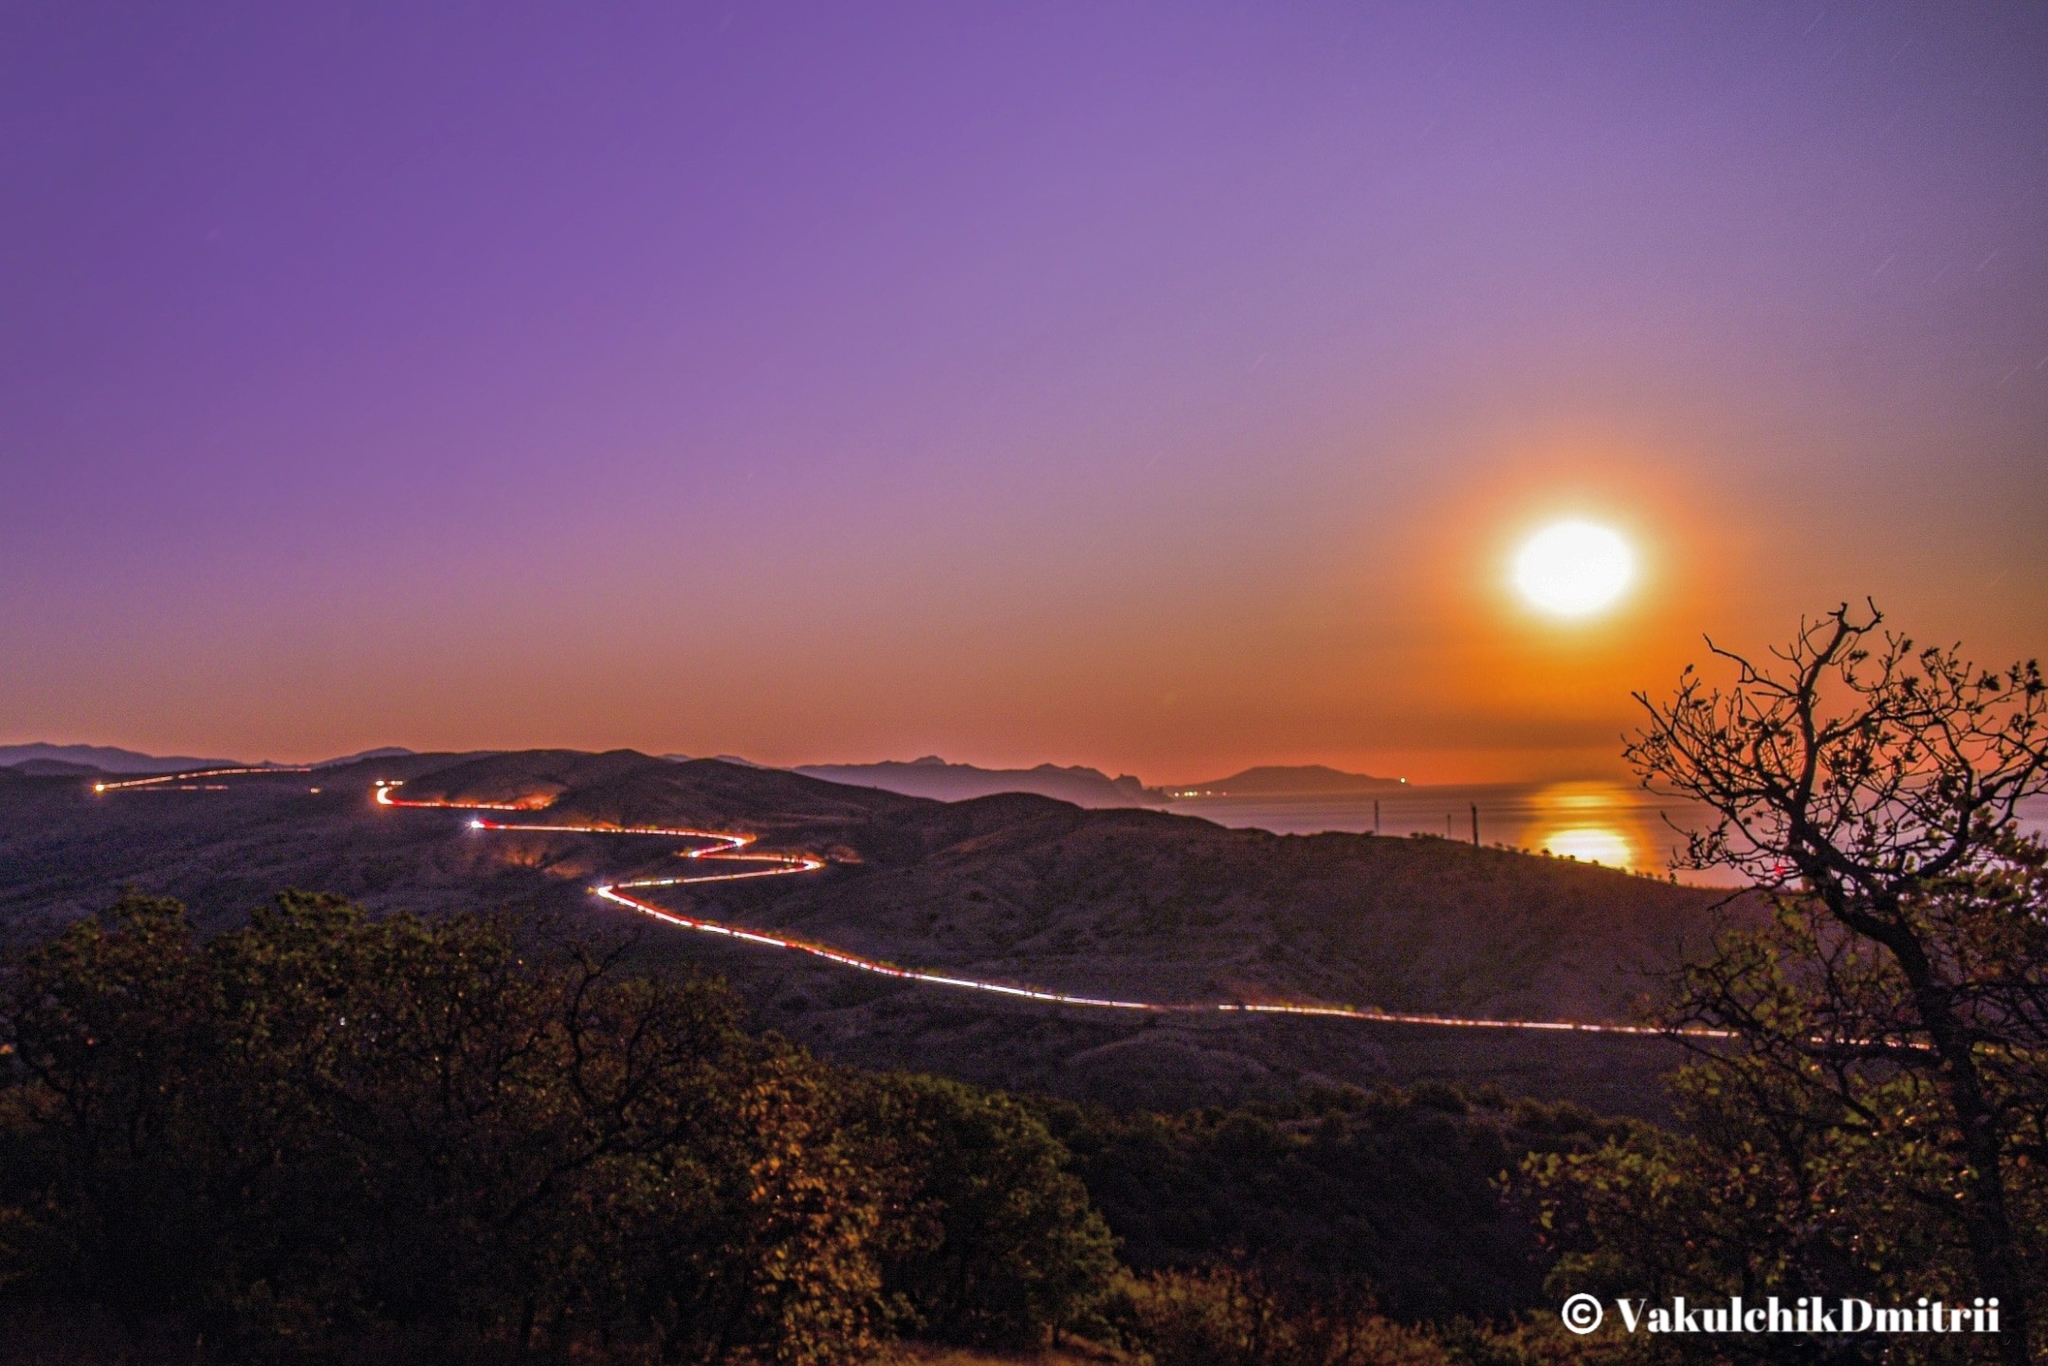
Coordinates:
993 1240
1882 1110
757 1241
105 1027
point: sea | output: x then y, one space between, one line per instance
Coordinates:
1613 824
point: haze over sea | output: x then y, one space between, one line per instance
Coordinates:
1611 823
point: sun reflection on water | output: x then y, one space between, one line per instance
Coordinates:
1578 820
1588 844
1617 823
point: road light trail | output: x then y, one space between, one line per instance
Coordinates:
729 847
723 845
194 777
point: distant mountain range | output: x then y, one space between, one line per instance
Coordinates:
42 760
938 780
930 777
59 759
382 752
1295 780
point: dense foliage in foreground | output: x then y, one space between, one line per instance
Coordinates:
327 1129
1339 1196
329 1137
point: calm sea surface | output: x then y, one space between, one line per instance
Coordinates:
1609 823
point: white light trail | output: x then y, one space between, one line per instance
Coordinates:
130 784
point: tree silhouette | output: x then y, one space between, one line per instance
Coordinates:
1872 789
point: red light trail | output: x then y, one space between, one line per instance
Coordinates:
727 847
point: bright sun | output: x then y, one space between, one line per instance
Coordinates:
1573 569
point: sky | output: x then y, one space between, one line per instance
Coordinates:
1162 387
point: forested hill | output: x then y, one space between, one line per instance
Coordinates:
1134 902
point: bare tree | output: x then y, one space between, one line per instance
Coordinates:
1871 789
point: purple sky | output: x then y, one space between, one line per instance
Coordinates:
1151 386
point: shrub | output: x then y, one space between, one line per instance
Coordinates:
1227 1317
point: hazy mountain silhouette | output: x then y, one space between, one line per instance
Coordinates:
53 760
933 777
105 758
1295 780
383 752
53 768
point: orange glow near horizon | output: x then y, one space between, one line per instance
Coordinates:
1481 682
1395 644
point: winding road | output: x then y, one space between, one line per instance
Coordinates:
728 847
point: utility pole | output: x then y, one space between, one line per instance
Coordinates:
1375 815
1475 825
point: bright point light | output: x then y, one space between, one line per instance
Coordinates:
1573 569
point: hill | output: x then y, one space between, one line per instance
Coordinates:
933 777
1298 780
54 768
382 752
1017 888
